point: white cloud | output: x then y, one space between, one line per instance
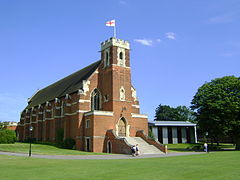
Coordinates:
159 40
146 42
228 54
221 19
123 2
170 35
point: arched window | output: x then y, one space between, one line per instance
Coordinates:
122 127
121 55
95 100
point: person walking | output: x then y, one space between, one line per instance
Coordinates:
133 150
205 147
137 150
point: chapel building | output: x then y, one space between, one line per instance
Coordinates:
96 106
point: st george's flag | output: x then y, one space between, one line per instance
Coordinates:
110 23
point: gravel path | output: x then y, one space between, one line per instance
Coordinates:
115 156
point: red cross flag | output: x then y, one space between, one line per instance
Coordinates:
110 23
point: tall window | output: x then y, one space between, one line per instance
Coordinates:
106 58
121 57
122 94
95 100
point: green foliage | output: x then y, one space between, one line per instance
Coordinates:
180 113
217 105
7 136
3 124
69 143
60 136
150 133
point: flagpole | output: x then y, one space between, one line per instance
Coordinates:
114 30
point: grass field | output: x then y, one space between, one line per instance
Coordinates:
41 149
216 166
198 147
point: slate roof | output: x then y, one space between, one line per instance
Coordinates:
67 85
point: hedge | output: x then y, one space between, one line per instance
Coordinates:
7 136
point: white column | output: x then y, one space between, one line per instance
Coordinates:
184 135
195 132
165 135
155 132
174 135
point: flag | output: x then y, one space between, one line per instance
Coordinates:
110 23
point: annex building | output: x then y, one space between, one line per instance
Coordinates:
96 106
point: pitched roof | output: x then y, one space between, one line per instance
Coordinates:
64 86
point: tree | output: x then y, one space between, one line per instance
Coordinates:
185 114
165 113
3 124
180 113
217 105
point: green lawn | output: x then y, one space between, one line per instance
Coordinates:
198 147
218 165
42 149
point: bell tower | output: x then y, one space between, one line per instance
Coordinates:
115 52
115 74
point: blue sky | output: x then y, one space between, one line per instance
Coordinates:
176 46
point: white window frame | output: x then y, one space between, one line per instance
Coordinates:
87 123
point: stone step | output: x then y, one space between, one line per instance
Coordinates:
144 147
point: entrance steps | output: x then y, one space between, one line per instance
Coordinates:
144 147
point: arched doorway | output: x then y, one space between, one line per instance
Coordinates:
122 127
109 147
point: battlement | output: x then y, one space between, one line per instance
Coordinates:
115 42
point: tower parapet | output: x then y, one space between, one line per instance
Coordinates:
115 42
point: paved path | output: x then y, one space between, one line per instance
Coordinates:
115 156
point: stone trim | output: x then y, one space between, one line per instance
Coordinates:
99 113
139 115
115 42
83 101
136 106
82 111
121 66
70 114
